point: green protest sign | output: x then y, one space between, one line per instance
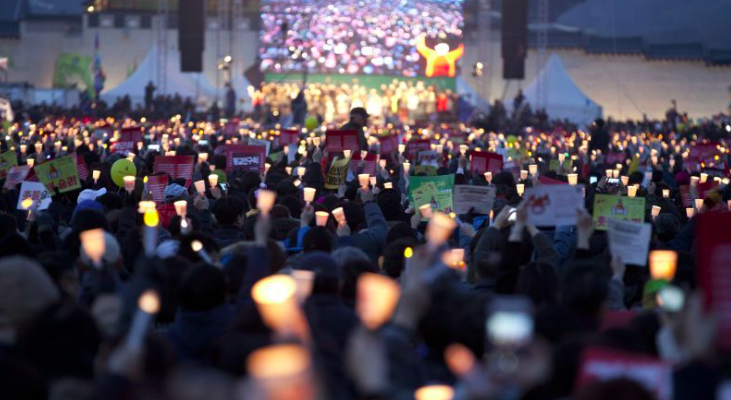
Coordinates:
433 190
609 206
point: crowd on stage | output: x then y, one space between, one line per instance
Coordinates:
179 256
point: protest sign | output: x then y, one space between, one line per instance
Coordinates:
288 136
686 196
336 175
245 158
614 158
337 141
484 161
178 167
413 147
389 144
544 180
553 205
16 175
127 140
369 163
713 260
479 198
428 170
599 364
7 161
60 173
554 164
156 184
427 158
433 190
81 167
35 191
630 241
609 206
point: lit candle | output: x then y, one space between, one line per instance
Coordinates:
151 220
282 371
213 180
347 153
265 200
94 245
656 211
663 264
488 176
382 163
533 169
728 204
704 177
147 307
666 193
145 205
689 212
694 180
434 392
202 157
275 299
181 208
95 174
407 166
388 185
439 230
200 187
129 183
561 158
373 181
456 258
30 162
288 170
609 173
304 281
24 148
339 215
463 148
266 167
520 188
698 204
401 148
364 180
573 179
615 173
632 191
523 174
625 180
377 296
309 195
321 218
301 171
197 247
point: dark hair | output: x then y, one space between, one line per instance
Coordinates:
355 215
584 289
8 224
227 210
317 238
539 282
393 256
400 231
349 275
618 388
202 288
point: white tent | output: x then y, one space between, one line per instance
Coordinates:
564 100
193 85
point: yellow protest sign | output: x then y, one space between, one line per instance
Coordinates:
336 176
7 160
60 173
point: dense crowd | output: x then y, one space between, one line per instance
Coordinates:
272 283
354 37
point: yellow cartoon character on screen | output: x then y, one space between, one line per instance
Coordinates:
440 61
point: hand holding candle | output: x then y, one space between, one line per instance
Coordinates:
147 307
377 296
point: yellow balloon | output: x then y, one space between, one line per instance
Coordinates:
121 168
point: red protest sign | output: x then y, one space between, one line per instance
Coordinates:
603 364
156 184
127 140
178 167
615 158
245 158
288 136
337 141
389 144
369 163
485 161
686 196
413 147
82 168
713 255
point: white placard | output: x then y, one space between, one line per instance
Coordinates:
36 191
629 240
481 198
553 205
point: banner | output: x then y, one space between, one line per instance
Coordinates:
336 175
261 142
603 364
127 141
428 170
35 191
16 175
630 240
484 161
434 190
157 184
428 158
553 205
478 198
59 173
369 163
178 167
245 158
7 161
337 141
389 144
610 206
713 261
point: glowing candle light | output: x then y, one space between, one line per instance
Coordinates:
30 162
129 183
151 220
425 211
95 174
533 169
694 180
609 173
401 148
698 204
704 177
301 171
663 264
148 306
200 187
265 200
213 180
520 188
656 211
488 176
304 281
439 229
382 163
275 299
666 193
94 245
181 208
364 180
321 218
689 212
309 195
573 179
377 298
347 153
625 180
407 166
434 392
288 170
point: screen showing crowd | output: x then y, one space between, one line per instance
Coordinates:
376 37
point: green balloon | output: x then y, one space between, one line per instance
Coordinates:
311 123
121 168
221 175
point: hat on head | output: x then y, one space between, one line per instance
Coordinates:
360 111
88 194
321 263
111 251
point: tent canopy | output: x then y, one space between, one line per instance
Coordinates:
193 85
564 100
